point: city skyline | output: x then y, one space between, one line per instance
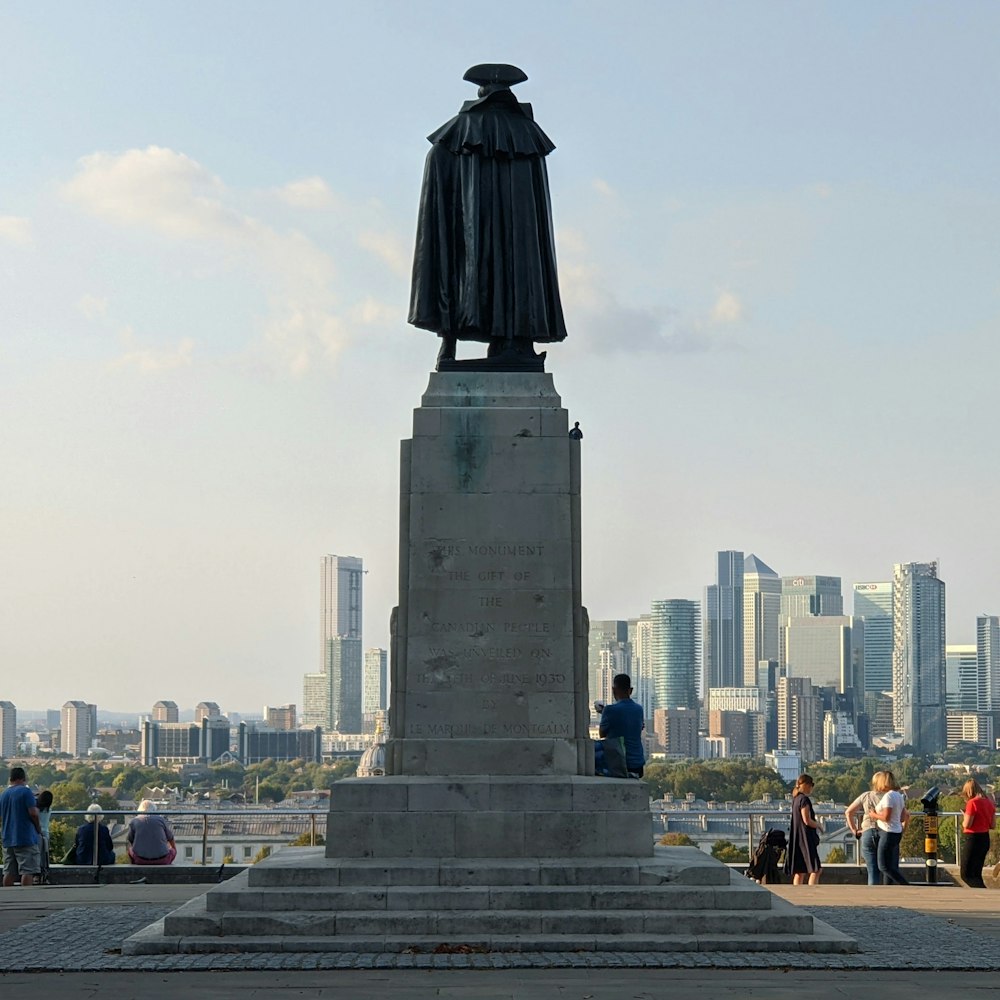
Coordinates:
816 692
804 593
205 368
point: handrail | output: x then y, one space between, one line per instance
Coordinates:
195 814
116 811
755 819
751 815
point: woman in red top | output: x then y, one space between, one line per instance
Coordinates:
979 819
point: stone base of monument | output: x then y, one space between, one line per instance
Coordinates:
300 901
558 863
489 816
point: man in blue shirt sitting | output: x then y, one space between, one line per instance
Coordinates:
624 718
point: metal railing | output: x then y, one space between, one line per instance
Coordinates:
757 821
196 816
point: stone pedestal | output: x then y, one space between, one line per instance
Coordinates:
490 750
489 671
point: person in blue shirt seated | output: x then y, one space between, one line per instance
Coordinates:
624 718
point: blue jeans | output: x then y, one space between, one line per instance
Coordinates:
869 851
888 857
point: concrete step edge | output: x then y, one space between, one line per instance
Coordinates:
369 944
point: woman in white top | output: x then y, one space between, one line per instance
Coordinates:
892 817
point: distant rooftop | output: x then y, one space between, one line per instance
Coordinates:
754 564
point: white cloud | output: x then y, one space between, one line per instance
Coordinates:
157 188
16 229
602 187
148 360
727 308
93 307
372 312
310 192
171 194
605 324
389 249
299 330
570 241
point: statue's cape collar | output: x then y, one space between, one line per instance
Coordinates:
495 125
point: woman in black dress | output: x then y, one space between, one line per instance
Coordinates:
802 858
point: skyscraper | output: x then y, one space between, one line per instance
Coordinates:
344 676
723 623
332 696
607 654
375 696
829 650
8 729
674 654
873 604
988 661
918 656
79 727
640 640
761 608
316 700
340 600
808 596
800 718
962 688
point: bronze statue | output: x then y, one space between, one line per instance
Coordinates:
484 268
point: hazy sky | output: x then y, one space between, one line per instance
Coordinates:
777 229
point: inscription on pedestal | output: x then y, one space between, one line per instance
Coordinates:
489 642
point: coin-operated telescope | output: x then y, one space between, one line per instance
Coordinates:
930 804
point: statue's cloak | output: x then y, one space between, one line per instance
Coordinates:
485 259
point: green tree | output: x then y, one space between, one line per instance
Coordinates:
676 840
264 852
346 767
70 795
837 856
657 779
305 840
61 836
993 855
727 851
270 791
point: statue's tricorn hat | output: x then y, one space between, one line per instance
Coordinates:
502 74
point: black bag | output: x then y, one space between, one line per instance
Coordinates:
614 757
765 865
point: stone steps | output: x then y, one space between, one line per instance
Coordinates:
458 925
235 896
308 867
824 940
299 901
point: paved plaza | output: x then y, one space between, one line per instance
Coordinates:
57 939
